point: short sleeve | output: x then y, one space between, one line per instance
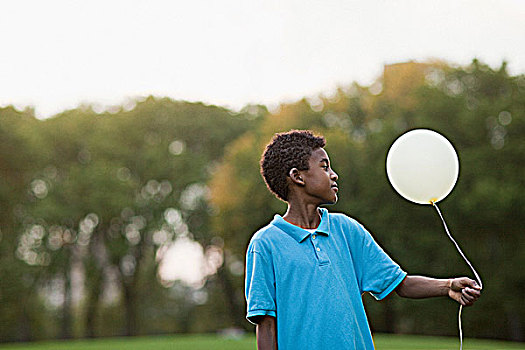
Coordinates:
378 274
260 285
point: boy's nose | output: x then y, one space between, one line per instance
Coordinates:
334 176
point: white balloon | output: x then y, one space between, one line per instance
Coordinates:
422 166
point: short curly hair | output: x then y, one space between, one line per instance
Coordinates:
287 150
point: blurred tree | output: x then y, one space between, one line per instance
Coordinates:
91 202
19 307
115 190
481 111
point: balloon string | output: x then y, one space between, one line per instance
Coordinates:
457 247
460 328
469 264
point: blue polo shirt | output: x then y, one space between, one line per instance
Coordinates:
313 282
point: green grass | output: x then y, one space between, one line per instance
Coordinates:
403 342
205 342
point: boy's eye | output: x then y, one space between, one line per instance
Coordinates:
325 167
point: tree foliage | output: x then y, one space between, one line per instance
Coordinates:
481 111
101 199
90 203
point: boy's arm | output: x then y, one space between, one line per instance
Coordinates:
463 290
266 333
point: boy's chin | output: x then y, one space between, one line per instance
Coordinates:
332 201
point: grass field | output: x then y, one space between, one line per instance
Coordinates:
206 342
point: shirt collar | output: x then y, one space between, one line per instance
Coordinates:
298 233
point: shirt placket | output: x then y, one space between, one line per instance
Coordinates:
320 253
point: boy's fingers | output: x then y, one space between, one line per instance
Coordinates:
467 282
476 286
466 301
472 283
473 292
468 289
468 297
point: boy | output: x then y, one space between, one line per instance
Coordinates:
306 270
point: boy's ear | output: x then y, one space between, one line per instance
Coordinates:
295 176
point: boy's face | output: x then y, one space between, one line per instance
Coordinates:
320 179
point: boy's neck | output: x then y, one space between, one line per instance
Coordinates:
307 216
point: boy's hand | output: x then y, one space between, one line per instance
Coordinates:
464 290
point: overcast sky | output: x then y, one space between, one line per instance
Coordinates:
57 54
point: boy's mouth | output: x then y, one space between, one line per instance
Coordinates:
335 187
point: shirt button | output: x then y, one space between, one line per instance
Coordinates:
313 237
318 249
